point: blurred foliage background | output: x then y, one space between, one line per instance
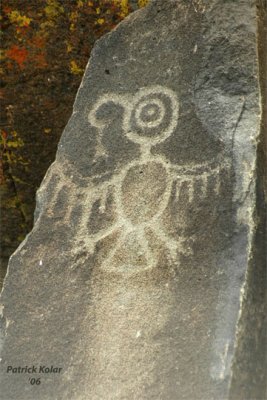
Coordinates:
45 46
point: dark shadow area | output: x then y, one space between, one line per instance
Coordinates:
249 372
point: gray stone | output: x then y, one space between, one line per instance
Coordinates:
136 275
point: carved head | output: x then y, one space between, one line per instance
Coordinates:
150 116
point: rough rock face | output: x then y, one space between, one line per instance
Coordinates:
134 276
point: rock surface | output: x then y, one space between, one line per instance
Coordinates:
134 277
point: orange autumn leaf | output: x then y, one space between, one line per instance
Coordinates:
17 54
7 10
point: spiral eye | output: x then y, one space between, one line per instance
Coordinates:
149 113
154 113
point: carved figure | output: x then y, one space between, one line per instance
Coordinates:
129 208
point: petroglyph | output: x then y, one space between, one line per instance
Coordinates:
129 209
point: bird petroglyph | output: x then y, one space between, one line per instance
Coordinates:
129 208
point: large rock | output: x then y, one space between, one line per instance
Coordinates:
134 278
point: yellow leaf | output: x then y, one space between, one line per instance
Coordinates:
45 26
73 16
142 3
69 48
16 141
124 6
98 11
16 18
53 9
14 144
73 19
47 130
74 68
100 21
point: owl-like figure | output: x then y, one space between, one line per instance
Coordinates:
144 209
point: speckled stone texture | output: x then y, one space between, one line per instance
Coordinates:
134 279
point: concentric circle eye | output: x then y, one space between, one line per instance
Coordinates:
154 114
149 113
